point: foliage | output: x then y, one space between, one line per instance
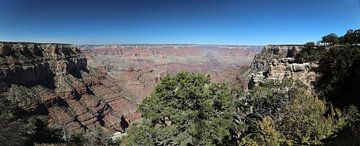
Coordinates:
282 112
331 39
310 53
309 45
43 133
340 80
339 67
304 120
185 109
266 100
350 134
12 130
21 127
262 102
266 135
95 136
352 37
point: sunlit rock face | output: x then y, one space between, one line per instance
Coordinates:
276 62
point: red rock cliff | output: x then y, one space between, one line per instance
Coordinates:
54 80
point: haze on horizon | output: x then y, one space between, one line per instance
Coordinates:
248 22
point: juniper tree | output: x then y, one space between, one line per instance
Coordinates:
186 109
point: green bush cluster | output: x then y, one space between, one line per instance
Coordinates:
185 109
351 37
284 113
310 53
313 52
340 80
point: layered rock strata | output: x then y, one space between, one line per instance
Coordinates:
54 80
142 67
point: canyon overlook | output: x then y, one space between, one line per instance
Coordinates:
54 80
141 67
99 86
179 73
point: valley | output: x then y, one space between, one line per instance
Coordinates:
141 67
89 87
179 73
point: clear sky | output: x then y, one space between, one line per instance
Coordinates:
248 22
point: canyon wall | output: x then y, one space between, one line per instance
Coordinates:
141 67
54 80
30 63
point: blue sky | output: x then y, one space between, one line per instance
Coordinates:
248 22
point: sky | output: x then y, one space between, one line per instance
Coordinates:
238 22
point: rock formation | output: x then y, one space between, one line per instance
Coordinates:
54 80
276 62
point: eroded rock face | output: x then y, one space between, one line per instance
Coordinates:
30 63
276 62
54 80
283 50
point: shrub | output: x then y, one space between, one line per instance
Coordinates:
185 109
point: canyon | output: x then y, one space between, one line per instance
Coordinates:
54 80
99 86
141 67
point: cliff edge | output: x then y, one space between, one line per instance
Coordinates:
277 62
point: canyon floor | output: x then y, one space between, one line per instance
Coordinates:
141 67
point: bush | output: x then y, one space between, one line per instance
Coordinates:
305 120
185 109
310 53
95 136
20 127
340 76
283 112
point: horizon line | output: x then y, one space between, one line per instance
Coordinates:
142 44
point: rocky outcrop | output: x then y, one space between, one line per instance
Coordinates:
270 52
276 62
54 80
30 63
283 50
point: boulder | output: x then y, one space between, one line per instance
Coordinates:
296 67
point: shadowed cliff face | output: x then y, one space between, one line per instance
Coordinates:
31 63
54 80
